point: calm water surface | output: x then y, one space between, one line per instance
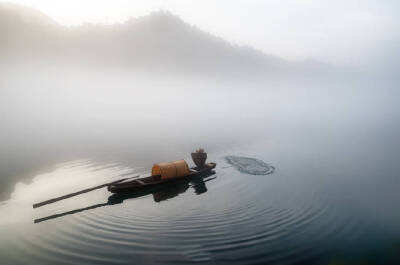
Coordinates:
331 200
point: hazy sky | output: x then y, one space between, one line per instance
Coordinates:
339 31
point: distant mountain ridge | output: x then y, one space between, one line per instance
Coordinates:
158 40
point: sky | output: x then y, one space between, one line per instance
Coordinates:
338 32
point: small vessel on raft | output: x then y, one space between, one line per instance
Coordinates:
159 192
161 173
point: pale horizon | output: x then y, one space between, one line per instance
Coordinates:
344 33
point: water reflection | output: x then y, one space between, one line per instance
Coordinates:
160 193
323 206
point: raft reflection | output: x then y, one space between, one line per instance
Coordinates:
161 193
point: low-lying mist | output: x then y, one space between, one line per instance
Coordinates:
59 112
138 90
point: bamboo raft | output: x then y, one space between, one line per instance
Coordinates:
159 192
155 180
167 174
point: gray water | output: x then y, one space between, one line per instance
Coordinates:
331 200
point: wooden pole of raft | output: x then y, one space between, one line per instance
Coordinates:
36 205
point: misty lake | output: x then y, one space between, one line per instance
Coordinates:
331 200
105 89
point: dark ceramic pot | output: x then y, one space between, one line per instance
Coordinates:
199 159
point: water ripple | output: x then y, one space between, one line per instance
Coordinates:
237 221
